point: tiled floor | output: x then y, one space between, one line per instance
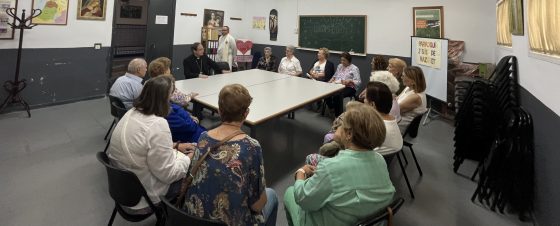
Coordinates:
50 176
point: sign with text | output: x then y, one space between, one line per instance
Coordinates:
428 52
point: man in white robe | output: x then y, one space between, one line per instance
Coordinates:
227 48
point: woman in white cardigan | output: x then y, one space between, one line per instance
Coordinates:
141 143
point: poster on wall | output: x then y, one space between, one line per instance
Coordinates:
428 52
213 18
259 22
428 21
244 47
91 9
54 12
6 31
273 24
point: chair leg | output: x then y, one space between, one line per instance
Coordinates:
113 216
110 128
405 176
404 157
107 145
323 108
415 160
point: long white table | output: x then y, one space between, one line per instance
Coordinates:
273 94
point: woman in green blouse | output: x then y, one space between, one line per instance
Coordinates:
348 187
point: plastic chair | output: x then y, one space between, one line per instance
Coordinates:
126 190
118 110
113 99
176 217
390 157
412 131
384 214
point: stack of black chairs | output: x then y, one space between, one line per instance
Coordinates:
494 130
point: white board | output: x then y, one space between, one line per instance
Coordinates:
436 73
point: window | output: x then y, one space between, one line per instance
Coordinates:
544 26
503 34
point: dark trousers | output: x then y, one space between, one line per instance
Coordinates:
335 102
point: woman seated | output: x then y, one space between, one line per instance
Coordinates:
184 127
378 63
268 61
380 97
230 185
348 187
322 69
396 67
289 64
162 66
348 75
412 100
141 143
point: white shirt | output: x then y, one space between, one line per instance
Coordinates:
319 67
127 88
227 49
393 138
407 117
142 144
289 66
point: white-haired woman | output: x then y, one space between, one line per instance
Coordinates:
289 64
388 79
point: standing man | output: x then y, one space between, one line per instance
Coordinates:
129 86
198 65
227 48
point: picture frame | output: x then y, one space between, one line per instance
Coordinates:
92 9
54 12
6 31
428 22
516 17
132 13
213 18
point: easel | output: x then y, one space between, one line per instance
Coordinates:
15 87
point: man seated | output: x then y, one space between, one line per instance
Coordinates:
198 64
129 86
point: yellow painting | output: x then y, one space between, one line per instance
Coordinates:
53 12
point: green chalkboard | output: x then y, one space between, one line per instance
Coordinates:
337 33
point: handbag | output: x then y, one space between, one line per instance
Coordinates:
187 181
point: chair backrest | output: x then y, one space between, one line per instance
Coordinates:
119 111
223 65
124 187
412 129
115 101
175 216
383 214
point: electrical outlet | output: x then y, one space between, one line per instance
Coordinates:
97 46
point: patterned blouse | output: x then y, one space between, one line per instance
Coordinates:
270 66
180 98
229 181
348 73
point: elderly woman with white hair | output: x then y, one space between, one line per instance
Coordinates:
289 64
268 61
388 79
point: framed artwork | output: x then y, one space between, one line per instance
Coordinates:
135 13
54 12
213 18
92 9
6 31
428 21
516 17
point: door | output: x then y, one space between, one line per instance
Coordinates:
160 29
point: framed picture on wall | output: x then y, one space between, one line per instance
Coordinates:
428 21
54 12
213 18
6 31
92 9
516 17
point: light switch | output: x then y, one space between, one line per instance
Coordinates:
97 46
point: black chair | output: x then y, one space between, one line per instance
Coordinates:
113 99
176 217
384 214
412 131
390 157
126 190
223 66
118 110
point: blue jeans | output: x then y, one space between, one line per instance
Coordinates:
270 208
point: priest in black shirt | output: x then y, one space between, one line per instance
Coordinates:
198 64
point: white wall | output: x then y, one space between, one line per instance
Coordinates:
538 76
77 33
389 22
187 28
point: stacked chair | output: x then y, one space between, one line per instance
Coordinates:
493 129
